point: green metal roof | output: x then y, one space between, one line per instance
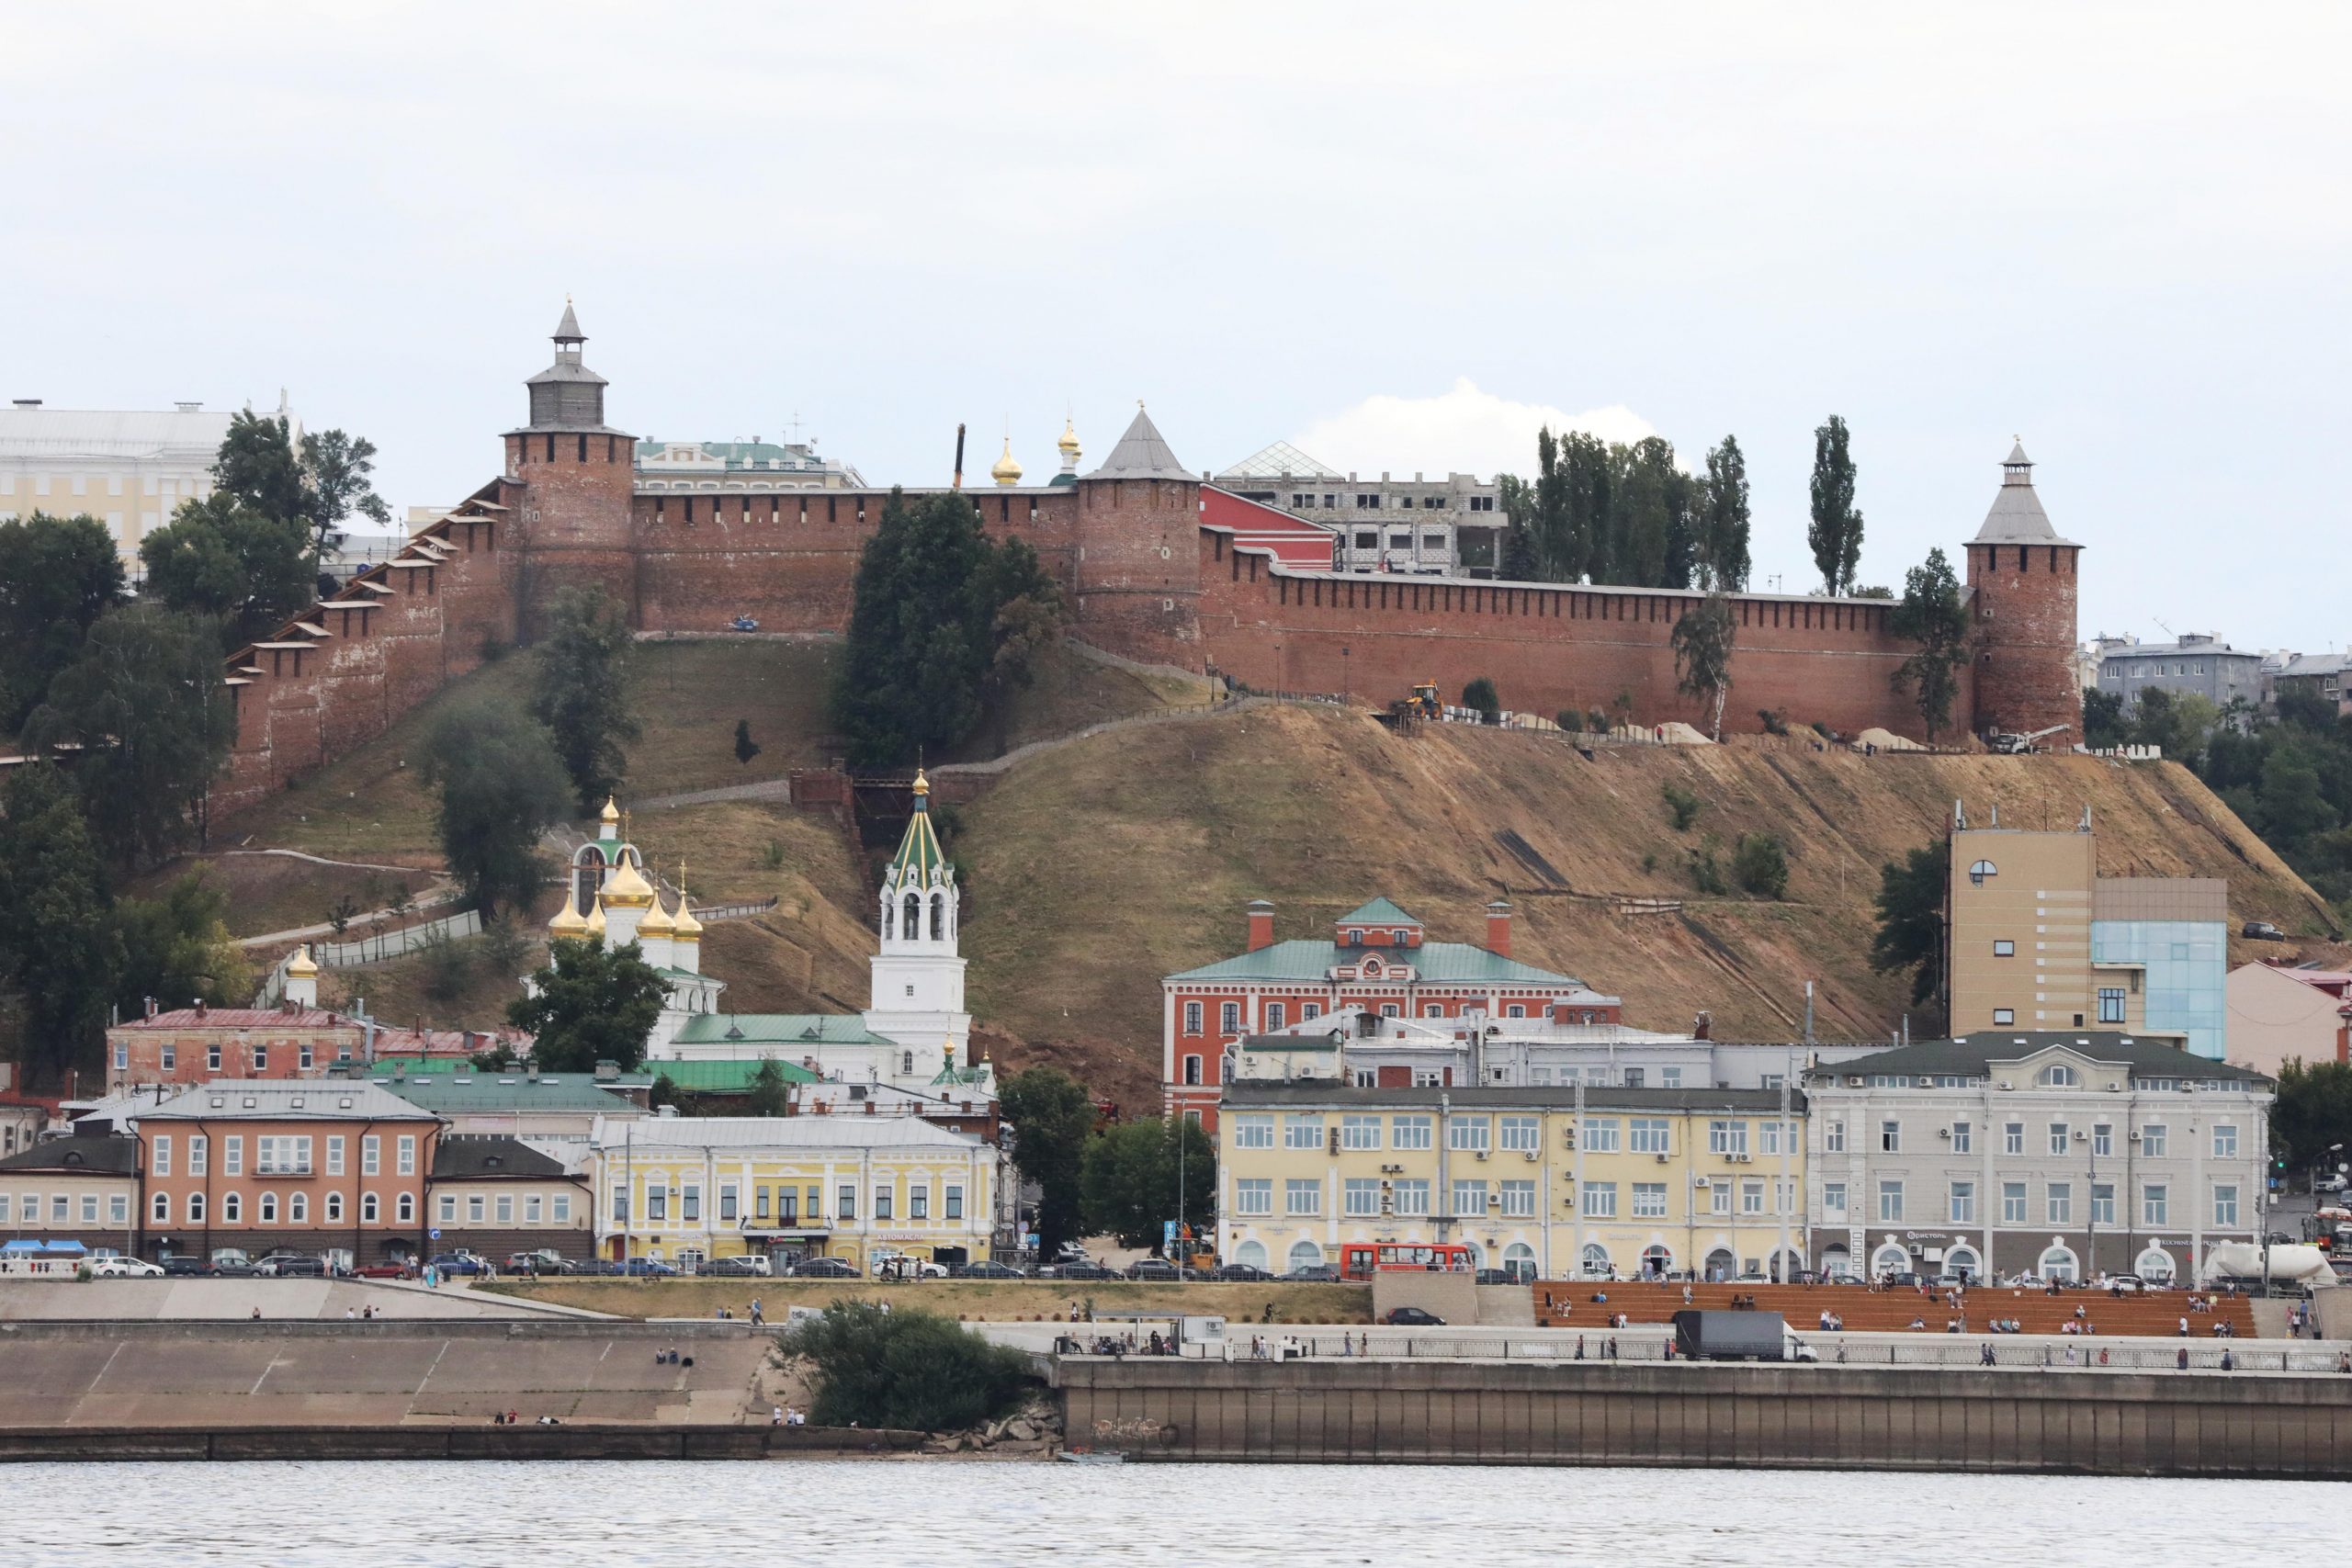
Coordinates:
441 1094
1456 962
779 1029
918 853
447 1066
1975 1053
732 1077
1379 912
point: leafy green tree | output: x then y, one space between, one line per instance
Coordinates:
258 471
1130 1179
1760 865
1934 620
663 1092
1649 512
145 704
1836 533
1051 1117
178 948
933 622
1702 648
745 748
589 1003
582 691
768 1094
501 786
1516 498
905 1370
2103 726
336 483
216 557
1721 501
2179 722
1911 896
2311 1113
59 950
1480 697
58 575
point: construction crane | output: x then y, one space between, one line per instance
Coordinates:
2014 745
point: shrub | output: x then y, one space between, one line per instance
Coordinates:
1479 695
1568 718
1649 861
1775 724
1761 865
1706 870
1685 805
448 967
911 1370
1596 721
1823 731
772 857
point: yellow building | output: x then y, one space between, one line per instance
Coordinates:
685 1190
1660 1180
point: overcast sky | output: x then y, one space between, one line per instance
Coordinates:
1399 237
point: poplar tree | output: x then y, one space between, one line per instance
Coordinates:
1835 534
1932 618
582 694
1723 532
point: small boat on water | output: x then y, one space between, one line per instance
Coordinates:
1088 1456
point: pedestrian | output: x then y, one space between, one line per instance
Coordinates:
1579 1342
349 1314
2227 1363
2184 1329
257 1313
1984 1354
759 1320
776 1415
2180 1358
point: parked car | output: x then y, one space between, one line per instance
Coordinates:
745 1266
1414 1317
187 1268
125 1269
648 1269
2261 930
384 1271
448 1264
266 1266
302 1266
234 1263
1312 1274
990 1269
1151 1268
1247 1273
543 1262
2130 1284
596 1266
825 1268
1085 1268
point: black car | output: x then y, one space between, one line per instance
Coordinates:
825 1268
1089 1270
1244 1273
991 1269
736 1268
302 1268
1312 1274
196 1266
1151 1268
1414 1317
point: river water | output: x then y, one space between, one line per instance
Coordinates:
902 1513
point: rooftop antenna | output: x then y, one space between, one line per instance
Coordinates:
958 483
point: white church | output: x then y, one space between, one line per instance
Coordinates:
914 1036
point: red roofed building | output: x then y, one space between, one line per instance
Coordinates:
1295 542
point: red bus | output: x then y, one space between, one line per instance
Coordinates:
1359 1259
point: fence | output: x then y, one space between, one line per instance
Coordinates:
734 911
378 946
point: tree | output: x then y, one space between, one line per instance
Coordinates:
1911 896
582 691
768 1094
589 1003
2178 722
1722 502
501 786
1129 1183
59 950
58 575
1934 620
1648 504
1760 865
744 748
145 704
178 948
336 469
1516 497
938 624
1835 534
1703 646
256 468
906 1370
1480 697
222 559
2103 723
1052 1116
2313 1111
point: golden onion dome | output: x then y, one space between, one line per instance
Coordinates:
1068 443
627 888
686 928
611 815
595 925
657 921
568 921
300 966
1004 471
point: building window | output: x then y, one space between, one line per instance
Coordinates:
1833 1200
1890 1137
1727 1137
298 1208
882 1206
1599 1199
2058 1075
1833 1137
2005 1015
196 1208
407 1155
1229 1017
1191 1018
1751 1197
232 1157
161 1209
1253 1130
1412 1132
233 1209
121 1056
1388 1010
371 1210
2153 1207
1516 1009
559 1209
657 1201
918 1201
335 1156
1650 1200
163 1157
1964 1202
1412 1198
2013 1138
1470 1132
2061 1203
2102 1139
334 1208
448 1202
2225 1141
2225 1207
728 1203
370 1157
1360 1196
171 1059
306 1058
1469 1198
408 1207
1890 1203
1668 1077
1983 871
2058 1137
2111 1004
1303 1195
212 1058
1431 1010
1309 1012
1961 1140
2152 1139
1519 1200
269 1208
1524 1134
1303 1131
1276 1016
261 1058
1359 1131
2005 950
845 1203
1599 1134
1649 1135
1192 1070
1719 1198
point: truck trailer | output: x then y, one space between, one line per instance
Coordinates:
1737 1337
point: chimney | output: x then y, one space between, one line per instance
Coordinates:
1261 924
1498 928
151 1007
1704 1027
200 1010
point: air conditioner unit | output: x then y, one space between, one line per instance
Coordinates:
1660 1158
1740 1159
1482 1156
1528 1155
1494 1199
2115 1089
1853 1083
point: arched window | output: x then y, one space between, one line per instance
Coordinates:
2156 1266
1889 1259
1963 1261
1518 1262
233 1209
938 902
1596 1261
269 1208
1250 1255
334 1208
1784 1267
1657 1260
369 1212
1305 1254
910 923
408 1207
1722 1264
1983 871
2058 1263
298 1208
2058 1075
906 1061
163 1207
1836 1262
1477 1253
196 1208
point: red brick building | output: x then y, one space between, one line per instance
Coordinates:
1378 958
197 1044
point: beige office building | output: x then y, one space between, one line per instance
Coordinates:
130 470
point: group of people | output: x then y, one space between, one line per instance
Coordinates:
509 1418
787 1415
2223 1330
727 1313
669 1357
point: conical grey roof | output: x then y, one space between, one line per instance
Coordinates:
1142 453
2017 517
568 330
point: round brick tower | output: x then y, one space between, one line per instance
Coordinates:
579 476
1137 568
2024 579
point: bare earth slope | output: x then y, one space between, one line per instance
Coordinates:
1106 863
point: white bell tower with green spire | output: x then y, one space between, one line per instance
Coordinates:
918 985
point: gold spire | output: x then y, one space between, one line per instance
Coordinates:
686 928
568 921
595 926
923 783
657 921
1068 443
611 815
1006 471
301 967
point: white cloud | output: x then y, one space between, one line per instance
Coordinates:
1464 430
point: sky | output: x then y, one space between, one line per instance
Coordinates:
1400 237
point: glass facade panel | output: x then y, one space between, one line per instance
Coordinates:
2187 970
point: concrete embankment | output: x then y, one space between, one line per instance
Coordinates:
1682 1413
312 1443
